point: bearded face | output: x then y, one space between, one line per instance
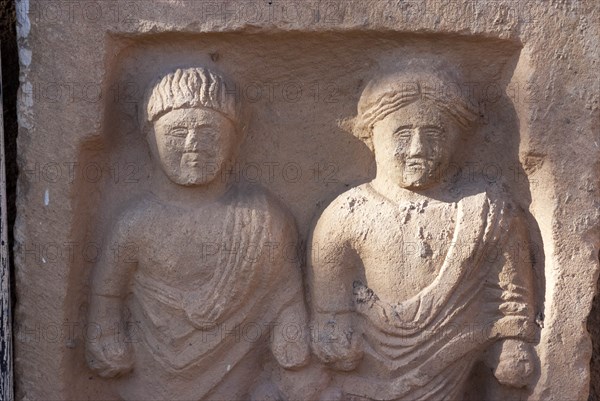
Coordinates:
414 144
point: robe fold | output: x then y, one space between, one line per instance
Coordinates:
425 347
207 343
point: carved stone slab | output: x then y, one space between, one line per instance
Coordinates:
306 200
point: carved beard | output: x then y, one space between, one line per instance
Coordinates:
417 172
421 171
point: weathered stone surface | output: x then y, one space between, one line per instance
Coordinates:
193 261
157 138
429 273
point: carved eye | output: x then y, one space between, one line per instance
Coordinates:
180 132
208 136
208 133
404 133
434 133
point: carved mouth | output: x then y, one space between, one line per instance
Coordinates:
191 159
417 163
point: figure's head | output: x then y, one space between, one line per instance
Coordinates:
191 125
413 122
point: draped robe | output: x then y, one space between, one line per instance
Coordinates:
424 347
207 289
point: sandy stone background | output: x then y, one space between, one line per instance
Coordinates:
10 80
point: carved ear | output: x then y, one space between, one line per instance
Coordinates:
354 126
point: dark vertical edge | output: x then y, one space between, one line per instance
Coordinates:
593 327
6 371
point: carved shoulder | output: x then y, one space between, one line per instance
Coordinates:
513 214
337 221
281 222
129 222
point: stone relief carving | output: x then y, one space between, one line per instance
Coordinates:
300 67
412 279
208 262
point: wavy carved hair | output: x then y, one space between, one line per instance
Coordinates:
396 90
189 87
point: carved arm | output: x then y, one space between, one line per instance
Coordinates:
109 353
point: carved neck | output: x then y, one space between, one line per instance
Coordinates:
394 192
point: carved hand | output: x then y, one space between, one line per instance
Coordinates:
110 353
516 363
336 343
290 343
109 358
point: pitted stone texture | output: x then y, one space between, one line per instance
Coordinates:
298 71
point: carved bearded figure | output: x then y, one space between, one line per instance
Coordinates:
212 283
413 281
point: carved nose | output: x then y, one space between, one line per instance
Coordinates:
416 148
191 142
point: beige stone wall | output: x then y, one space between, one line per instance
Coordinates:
299 71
